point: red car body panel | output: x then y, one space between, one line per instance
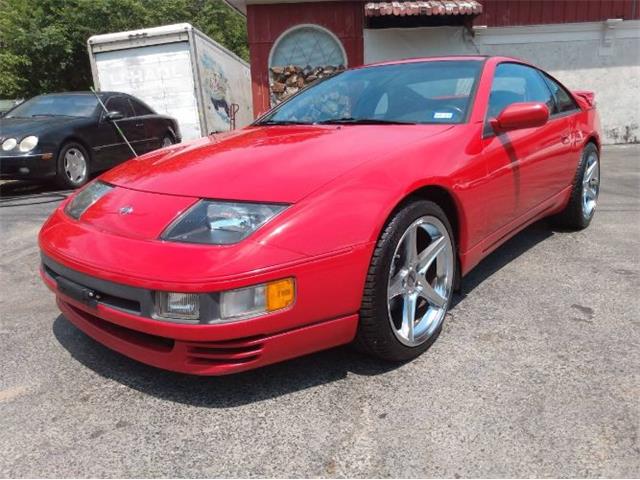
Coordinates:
343 182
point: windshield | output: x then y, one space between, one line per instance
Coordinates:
55 106
414 93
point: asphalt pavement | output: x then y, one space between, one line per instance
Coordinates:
537 373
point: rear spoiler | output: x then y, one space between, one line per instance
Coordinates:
586 98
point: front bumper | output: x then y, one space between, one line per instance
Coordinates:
210 357
27 166
325 315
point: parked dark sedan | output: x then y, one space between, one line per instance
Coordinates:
68 136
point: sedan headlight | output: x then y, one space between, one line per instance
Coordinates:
28 143
220 223
85 198
9 144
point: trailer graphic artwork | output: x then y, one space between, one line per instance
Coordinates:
216 87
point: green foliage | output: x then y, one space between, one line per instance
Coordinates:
43 43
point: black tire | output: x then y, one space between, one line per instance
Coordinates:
575 215
64 178
375 335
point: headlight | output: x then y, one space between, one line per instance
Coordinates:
234 305
28 143
220 223
85 198
256 300
178 306
9 144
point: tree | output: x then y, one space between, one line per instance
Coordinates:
43 44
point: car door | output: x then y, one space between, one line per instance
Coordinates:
151 128
520 163
563 116
131 126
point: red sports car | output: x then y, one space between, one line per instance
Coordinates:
348 213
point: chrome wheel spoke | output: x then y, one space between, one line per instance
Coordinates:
409 315
588 174
411 247
429 254
396 285
427 292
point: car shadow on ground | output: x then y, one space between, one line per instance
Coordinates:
19 193
505 254
274 380
218 392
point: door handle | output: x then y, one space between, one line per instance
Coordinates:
565 139
139 124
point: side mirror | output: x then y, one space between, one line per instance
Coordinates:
521 115
114 115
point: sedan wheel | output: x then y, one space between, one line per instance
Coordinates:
420 281
409 285
75 165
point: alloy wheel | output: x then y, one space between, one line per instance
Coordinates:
75 165
590 184
420 281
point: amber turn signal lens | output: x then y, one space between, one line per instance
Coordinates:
248 302
280 294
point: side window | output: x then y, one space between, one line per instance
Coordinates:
120 104
513 83
139 108
564 102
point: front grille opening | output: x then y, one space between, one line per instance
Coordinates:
130 306
120 303
140 339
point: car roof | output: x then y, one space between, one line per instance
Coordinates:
84 93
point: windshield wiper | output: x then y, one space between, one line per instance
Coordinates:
362 121
281 122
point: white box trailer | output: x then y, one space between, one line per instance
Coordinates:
178 71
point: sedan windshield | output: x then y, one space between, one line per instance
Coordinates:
56 106
407 93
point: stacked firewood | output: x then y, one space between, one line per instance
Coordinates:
285 81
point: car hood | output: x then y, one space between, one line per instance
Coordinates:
270 164
21 127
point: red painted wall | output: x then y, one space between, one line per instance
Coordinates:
505 13
345 19
265 23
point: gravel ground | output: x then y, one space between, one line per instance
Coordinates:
537 373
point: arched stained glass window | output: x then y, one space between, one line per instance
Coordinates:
308 45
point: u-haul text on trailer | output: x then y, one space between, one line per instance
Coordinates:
178 71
